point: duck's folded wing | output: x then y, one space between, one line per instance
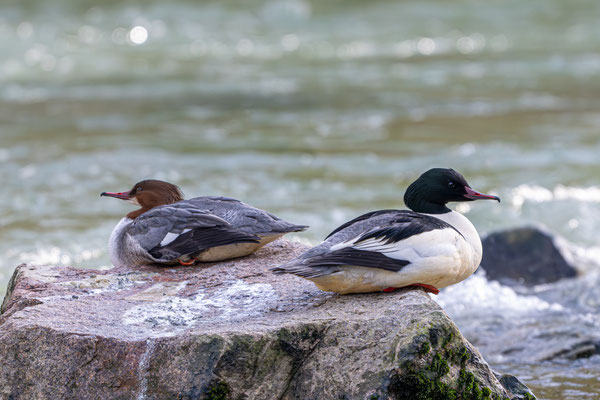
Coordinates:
363 217
247 218
356 257
405 240
380 247
199 239
179 229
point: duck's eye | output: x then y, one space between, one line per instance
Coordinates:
451 185
139 189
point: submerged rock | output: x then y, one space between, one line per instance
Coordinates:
526 256
228 330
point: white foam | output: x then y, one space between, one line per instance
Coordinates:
56 256
540 194
478 295
586 259
530 193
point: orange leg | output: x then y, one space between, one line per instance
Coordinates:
187 263
428 288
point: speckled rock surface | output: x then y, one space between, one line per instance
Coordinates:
228 330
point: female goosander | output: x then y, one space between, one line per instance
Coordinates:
170 230
430 246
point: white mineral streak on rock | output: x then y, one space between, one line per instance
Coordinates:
236 300
143 367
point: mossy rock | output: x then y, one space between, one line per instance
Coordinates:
441 370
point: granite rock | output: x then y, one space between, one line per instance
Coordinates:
228 330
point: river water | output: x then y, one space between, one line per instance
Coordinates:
317 111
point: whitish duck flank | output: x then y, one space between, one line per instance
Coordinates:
168 230
430 246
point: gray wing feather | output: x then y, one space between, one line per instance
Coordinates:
245 217
302 266
150 228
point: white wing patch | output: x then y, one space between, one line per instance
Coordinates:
169 237
435 243
343 245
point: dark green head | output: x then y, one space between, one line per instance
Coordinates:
437 187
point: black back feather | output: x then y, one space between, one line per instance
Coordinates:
361 258
358 219
406 225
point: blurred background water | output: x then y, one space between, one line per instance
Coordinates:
317 111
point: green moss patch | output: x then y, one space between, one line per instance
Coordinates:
217 391
427 375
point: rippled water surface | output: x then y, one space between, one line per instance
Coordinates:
317 111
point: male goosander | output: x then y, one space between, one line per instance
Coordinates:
170 230
430 246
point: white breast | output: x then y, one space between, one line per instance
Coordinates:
116 241
466 228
